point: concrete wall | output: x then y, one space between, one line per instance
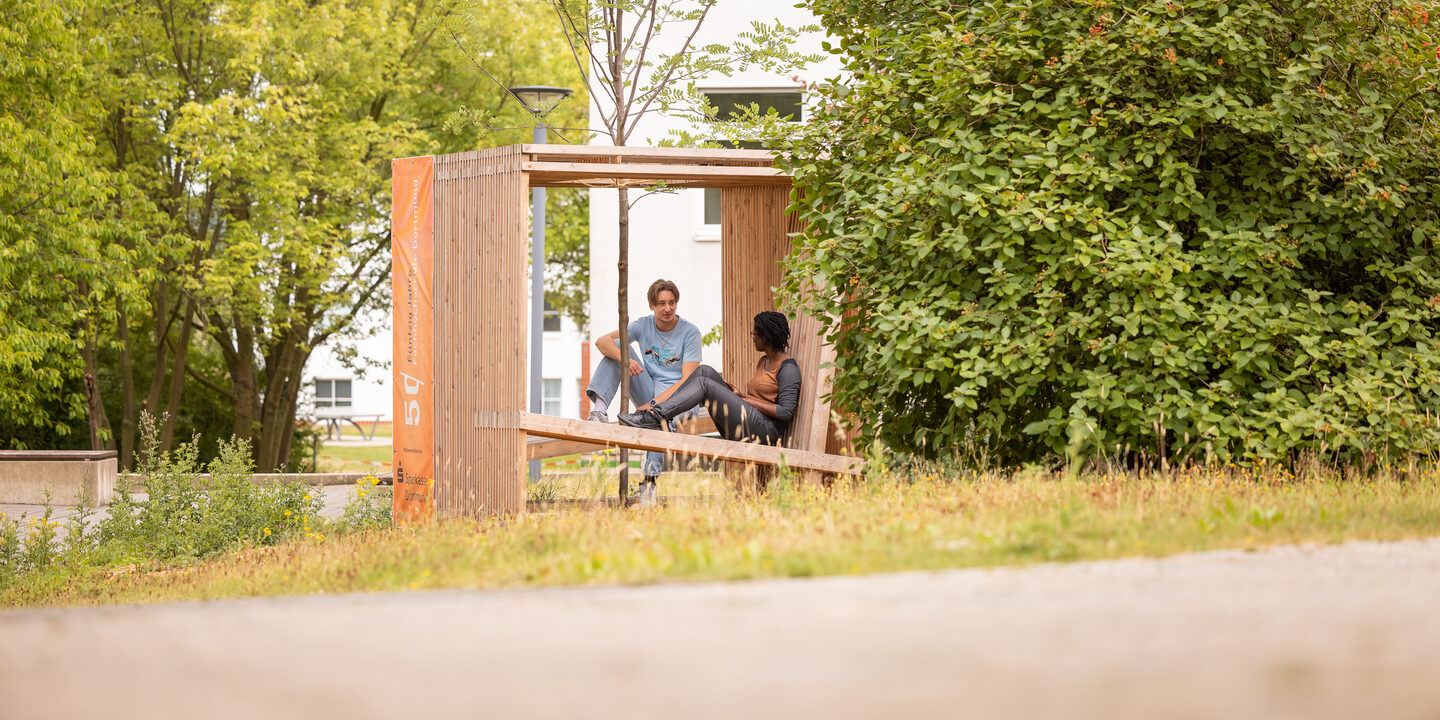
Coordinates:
26 477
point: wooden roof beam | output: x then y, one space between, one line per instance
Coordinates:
551 173
652 155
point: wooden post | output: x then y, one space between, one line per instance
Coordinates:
476 339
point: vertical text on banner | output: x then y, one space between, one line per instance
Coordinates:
412 225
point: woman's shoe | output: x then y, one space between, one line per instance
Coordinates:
646 495
646 419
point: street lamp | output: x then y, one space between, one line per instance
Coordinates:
539 100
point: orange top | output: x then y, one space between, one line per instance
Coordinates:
763 384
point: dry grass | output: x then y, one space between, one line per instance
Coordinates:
916 521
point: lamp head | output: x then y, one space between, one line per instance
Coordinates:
540 99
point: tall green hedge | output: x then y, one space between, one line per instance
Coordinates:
1185 230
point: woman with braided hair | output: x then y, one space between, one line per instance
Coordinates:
762 413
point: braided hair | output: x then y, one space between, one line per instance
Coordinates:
774 329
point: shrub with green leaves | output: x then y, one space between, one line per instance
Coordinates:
182 516
1185 230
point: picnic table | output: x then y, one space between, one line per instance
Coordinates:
332 418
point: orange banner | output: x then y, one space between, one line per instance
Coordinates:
412 223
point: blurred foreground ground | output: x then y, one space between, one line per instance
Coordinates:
1317 632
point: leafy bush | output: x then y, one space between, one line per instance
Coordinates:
368 509
1169 229
32 545
183 517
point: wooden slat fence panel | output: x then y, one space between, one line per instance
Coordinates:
755 239
480 352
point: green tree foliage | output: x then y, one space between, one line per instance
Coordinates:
567 253
195 195
499 58
59 266
1181 228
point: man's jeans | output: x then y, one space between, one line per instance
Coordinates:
643 388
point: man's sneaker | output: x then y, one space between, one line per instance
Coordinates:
647 419
646 495
598 416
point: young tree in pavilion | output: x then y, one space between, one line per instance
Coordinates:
617 50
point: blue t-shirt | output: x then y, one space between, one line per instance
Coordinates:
663 353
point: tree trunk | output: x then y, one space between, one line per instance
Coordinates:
127 389
623 266
289 397
283 368
616 57
267 444
94 406
247 386
177 378
163 315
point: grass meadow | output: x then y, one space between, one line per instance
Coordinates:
892 520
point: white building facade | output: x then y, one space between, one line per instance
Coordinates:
333 388
676 235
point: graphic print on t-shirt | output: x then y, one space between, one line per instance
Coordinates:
663 357
665 353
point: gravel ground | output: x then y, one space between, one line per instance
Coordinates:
1346 631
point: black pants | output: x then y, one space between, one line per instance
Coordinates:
735 419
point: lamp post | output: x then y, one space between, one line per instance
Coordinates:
539 100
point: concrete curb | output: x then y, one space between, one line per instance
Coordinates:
272 478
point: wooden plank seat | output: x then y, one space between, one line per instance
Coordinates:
540 448
661 441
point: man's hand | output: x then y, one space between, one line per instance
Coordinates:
635 367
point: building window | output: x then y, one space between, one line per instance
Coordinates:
786 104
789 104
550 320
712 206
332 393
550 397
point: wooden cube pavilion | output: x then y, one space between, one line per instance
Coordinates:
460 243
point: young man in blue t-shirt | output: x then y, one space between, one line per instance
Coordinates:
669 350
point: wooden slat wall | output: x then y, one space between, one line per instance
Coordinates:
752 244
480 342
755 240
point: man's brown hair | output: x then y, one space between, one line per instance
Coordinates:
653 294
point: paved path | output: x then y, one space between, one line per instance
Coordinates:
1350 631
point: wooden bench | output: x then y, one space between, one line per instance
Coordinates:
804 447
539 447
661 441
26 476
